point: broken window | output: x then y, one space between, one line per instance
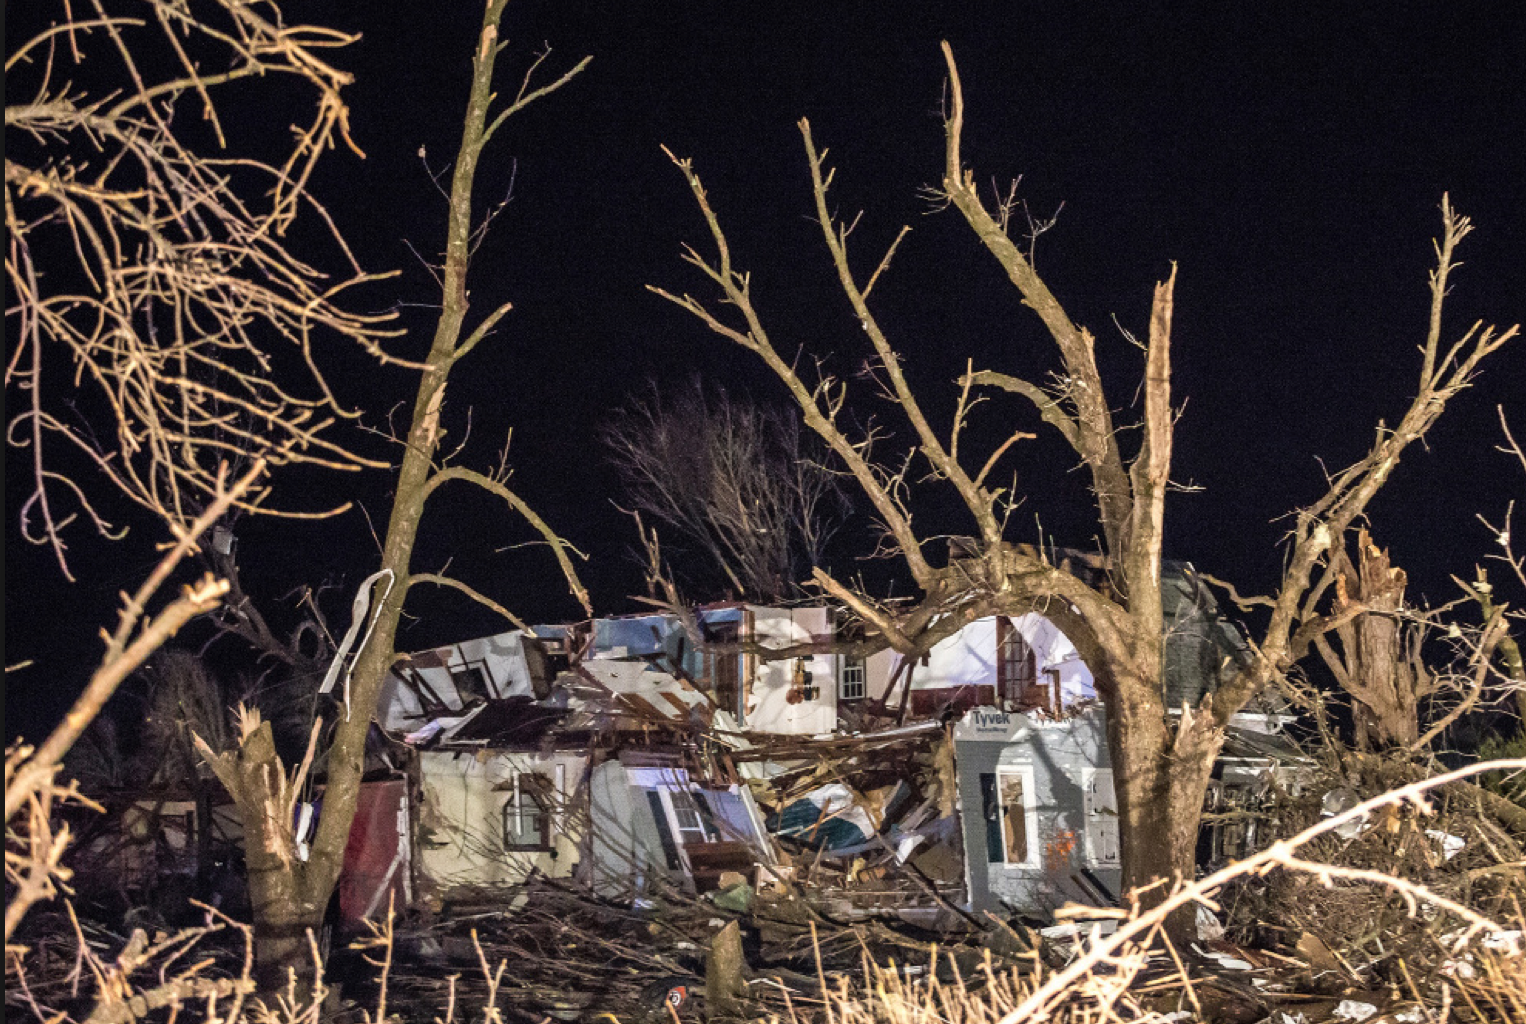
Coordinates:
1016 665
543 661
473 681
851 684
1011 815
527 812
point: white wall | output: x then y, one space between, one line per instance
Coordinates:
768 706
460 817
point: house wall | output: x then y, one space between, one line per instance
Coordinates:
460 818
626 844
1071 828
774 702
629 849
623 842
879 669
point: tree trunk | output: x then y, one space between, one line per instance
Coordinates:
284 899
290 895
1161 776
724 966
287 929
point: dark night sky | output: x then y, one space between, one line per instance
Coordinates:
1289 157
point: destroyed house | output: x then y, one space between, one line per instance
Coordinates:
1024 662
577 752
1014 662
1039 812
728 663
626 752
1036 799
1040 821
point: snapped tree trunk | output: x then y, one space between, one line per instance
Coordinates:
286 904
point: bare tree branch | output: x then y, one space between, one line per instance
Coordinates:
441 580
190 329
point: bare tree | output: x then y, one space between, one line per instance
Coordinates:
1162 756
1482 591
192 333
290 894
737 481
162 327
161 323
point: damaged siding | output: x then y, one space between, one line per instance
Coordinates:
488 819
1036 805
447 679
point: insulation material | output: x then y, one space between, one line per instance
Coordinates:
828 817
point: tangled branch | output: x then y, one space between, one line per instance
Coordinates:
152 266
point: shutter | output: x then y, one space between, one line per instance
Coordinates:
660 815
1101 817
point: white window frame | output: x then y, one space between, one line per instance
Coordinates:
1030 813
845 685
515 811
683 837
1101 854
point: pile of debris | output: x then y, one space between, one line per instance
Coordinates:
1362 931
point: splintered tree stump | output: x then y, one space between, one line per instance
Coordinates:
724 986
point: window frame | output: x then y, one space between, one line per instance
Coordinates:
1017 667
1023 772
478 668
541 797
861 668
671 829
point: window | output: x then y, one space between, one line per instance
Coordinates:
686 816
1011 815
1101 817
473 682
527 812
683 820
1016 664
851 684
